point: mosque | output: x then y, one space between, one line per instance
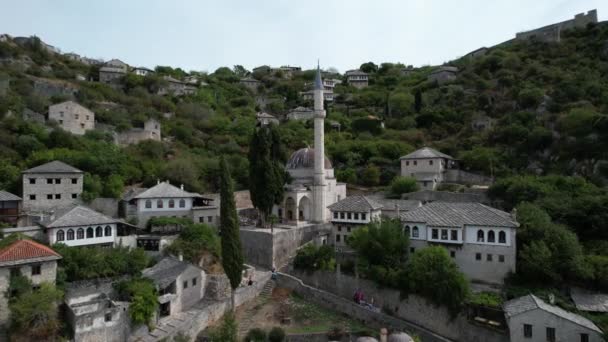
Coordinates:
313 186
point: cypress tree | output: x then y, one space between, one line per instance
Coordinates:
232 253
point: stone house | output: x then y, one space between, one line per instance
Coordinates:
482 123
310 95
480 239
51 185
443 74
93 313
150 131
113 71
72 117
166 200
80 226
477 53
265 119
180 285
46 87
287 70
300 113
10 208
349 214
427 166
530 319
407 71
552 33
250 83
176 87
141 71
357 78
28 258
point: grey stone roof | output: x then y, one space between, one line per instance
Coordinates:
166 190
166 271
445 69
445 214
265 115
355 72
55 166
7 196
77 215
524 304
589 301
404 205
355 204
425 153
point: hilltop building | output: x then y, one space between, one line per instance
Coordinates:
310 95
265 119
427 166
113 71
250 83
552 33
141 71
51 185
300 113
443 74
150 131
313 186
357 78
480 239
176 87
72 117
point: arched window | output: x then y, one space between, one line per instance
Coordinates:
171 203
491 236
108 231
415 232
502 237
98 232
148 204
60 235
90 233
182 203
70 234
159 203
480 236
80 234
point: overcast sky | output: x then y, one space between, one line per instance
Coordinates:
204 35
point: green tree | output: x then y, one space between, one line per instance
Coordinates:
402 185
227 331
195 241
232 253
34 316
143 297
370 175
401 103
276 334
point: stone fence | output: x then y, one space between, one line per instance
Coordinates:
412 313
468 178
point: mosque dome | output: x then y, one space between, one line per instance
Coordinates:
400 337
304 158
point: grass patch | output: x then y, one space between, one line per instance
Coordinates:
311 318
489 299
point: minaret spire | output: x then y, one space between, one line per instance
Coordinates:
319 175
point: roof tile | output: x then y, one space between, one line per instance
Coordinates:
26 249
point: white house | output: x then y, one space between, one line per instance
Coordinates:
351 213
480 239
427 166
141 71
530 319
80 226
72 117
357 78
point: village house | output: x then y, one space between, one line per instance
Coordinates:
10 208
51 185
407 71
349 214
78 225
250 83
477 53
310 95
150 131
176 87
195 80
180 285
264 119
427 166
28 258
30 115
72 117
480 239
357 78
300 113
141 71
167 200
530 319
287 70
443 74
112 71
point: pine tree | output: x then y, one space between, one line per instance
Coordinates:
232 253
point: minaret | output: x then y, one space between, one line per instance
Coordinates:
319 179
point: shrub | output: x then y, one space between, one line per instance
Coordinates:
312 258
143 297
255 335
277 334
227 331
402 185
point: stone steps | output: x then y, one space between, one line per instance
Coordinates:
247 322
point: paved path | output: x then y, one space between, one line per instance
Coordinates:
247 322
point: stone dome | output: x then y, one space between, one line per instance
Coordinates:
304 158
400 337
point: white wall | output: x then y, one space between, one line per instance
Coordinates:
141 204
52 236
471 235
565 330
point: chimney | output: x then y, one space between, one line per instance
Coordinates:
181 186
157 181
397 210
514 214
180 257
383 335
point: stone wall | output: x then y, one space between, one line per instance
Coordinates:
464 177
420 317
106 206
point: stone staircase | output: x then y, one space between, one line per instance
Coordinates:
247 322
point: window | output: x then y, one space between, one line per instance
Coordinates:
57 180
87 117
415 232
70 234
501 258
502 237
584 337
108 231
363 216
335 215
185 284
57 196
171 203
444 234
81 125
209 218
430 162
89 233
32 180
35 270
32 197
412 250
480 236
80 234
407 163
60 235
339 228
453 254
528 330
477 256
98 232
491 236
338 238
148 204
550 334
159 204
49 181
454 236
435 234
415 162
74 180
348 229
108 317
342 216
193 281
489 257
356 216
49 196
61 122
74 195
349 216
76 116
201 219
182 203
15 271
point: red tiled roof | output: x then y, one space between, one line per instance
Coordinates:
26 249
